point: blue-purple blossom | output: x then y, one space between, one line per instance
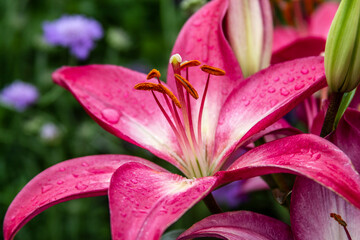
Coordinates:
19 95
49 132
75 32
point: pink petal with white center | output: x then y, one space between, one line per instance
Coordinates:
202 38
107 93
76 178
264 98
241 225
304 154
311 206
144 202
321 19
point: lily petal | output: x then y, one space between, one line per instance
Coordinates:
321 19
347 136
311 205
107 93
264 98
76 178
202 38
241 225
144 202
304 154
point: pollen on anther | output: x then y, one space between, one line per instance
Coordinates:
153 74
212 70
170 94
148 87
339 219
187 85
191 63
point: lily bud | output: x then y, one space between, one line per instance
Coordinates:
250 33
342 51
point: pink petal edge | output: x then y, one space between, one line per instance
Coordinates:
240 225
304 154
76 178
144 202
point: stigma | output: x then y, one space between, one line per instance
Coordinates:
195 158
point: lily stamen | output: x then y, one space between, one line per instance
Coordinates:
341 221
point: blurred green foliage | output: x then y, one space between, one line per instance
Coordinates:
150 28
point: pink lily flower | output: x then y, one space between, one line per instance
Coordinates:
316 212
197 138
291 43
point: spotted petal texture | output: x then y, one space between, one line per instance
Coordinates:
76 178
144 202
263 98
107 93
304 154
241 225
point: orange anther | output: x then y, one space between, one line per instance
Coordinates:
170 94
191 63
339 219
153 73
189 88
212 70
148 87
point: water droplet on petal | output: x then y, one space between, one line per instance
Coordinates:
317 156
61 169
313 68
276 79
304 71
273 102
84 164
81 186
134 181
197 23
46 188
284 92
299 86
247 103
291 79
271 90
60 182
110 115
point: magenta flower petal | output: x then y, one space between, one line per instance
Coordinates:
321 19
241 225
311 205
303 154
299 48
144 202
347 136
263 98
202 38
107 93
76 178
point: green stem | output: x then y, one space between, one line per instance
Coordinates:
329 121
211 204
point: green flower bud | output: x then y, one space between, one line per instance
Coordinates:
342 51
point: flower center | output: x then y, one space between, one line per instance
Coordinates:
339 219
195 160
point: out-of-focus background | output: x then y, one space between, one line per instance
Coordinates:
49 126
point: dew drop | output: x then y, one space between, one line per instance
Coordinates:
46 188
291 79
273 102
81 186
60 182
276 79
75 175
61 169
134 181
304 71
313 68
271 90
262 95
110 115
197 23
246 103
284 92
317 156
84 164
299 86
243 98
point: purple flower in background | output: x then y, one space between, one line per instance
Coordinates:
76 32
19 95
